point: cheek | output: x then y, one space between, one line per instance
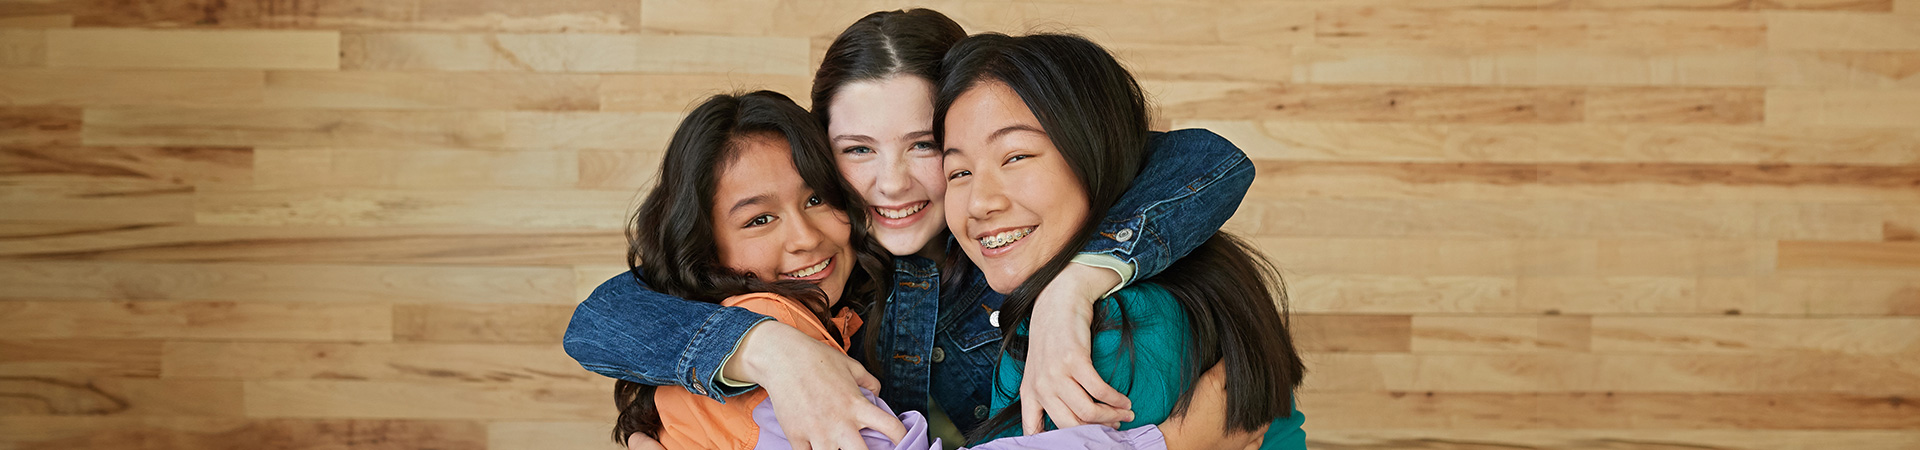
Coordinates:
931 175
742 255
858 174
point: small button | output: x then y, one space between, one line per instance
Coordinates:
1123 235
993 318
980 412
939 354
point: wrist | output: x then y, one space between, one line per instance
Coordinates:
750 356
1086 283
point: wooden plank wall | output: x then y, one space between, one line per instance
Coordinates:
1619 224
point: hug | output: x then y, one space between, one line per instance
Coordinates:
970 240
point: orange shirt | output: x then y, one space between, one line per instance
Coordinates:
691 421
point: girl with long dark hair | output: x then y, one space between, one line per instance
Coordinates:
938 348
735 221
1039 132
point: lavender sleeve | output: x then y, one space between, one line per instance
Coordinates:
1084 437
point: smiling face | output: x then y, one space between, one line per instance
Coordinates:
768 223
882 136
1016 202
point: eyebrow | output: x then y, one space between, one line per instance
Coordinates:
1003 132
997 134
854 137
750 201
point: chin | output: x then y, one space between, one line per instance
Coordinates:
1001 281
903 244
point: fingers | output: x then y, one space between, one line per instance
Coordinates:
1032 416
1090 381
872 417
1063 416
866 381
640 441
1084 410
848 440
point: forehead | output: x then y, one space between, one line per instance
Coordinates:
984 109
760 164
899 101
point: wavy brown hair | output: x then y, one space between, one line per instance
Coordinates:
671 247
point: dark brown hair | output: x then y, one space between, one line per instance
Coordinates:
881 45
671 248
1095 114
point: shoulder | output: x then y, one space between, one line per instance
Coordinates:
620 285
785 310
1189 138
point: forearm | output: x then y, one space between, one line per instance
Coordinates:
1193 183
627 332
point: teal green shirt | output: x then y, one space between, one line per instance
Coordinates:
1152 376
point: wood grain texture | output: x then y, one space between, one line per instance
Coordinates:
233 433
235 49
1502 224
471 129
298 321
468 52
91 87
594 16
251 282
1288 140
384 245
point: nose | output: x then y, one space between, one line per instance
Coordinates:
987 197
894 179
803 234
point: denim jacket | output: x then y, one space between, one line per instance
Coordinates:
937 344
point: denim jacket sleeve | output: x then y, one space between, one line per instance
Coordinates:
625 330
1193 182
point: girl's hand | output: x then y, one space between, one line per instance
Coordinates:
815 388
640 441
1204 425
1060 379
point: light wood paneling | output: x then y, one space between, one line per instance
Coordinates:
90 87
463 52
1515 224
502 15
233 49
233 433
299 321
250 282
395 90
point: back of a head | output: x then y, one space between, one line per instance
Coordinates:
884 44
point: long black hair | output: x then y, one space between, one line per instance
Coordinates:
1096 115
671 248
881 45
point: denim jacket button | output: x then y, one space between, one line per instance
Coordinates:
939 354
980 412
1123 235
993 318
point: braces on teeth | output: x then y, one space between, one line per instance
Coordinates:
1002 239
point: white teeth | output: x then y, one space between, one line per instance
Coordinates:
901 213
1005 237
810 271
